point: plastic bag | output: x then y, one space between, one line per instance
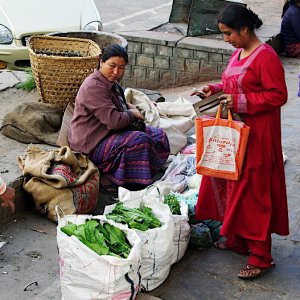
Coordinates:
182 231
214 227
200 237
85 274
157 243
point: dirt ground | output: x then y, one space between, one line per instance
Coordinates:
12 96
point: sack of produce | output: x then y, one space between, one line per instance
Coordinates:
60 177
153 223
214 228
98 259
200 237
189 197
182 229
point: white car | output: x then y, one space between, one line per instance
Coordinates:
20 19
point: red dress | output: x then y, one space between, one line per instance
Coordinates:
256 204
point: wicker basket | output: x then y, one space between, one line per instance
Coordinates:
60 65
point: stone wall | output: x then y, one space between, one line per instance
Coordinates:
160 60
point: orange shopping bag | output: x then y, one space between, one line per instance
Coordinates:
220 146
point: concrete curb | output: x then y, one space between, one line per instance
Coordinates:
9 79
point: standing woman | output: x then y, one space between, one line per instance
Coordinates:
290 28
256 205
102 128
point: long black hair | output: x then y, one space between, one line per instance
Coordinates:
113 50
238 16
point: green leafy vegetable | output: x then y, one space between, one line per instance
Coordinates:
29 83
173 203
69 228
103 239
137 218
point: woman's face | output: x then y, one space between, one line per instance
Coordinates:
113 69
235 38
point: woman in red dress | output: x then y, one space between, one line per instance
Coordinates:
256 205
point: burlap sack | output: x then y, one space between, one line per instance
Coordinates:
33 122
60 177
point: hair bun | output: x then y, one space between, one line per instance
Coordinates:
255 19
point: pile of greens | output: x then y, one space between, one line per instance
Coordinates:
173 203
137 218
104 239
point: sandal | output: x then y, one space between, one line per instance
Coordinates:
221 245
252 272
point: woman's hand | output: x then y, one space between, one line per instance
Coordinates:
226 100
130 105
203 92
8 198
136 113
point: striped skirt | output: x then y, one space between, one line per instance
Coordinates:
132 157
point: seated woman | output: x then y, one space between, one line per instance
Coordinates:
101 127
290 28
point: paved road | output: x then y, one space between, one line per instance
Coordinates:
119 14
144 15
128 15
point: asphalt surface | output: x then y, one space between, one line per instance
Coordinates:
143 15
29 253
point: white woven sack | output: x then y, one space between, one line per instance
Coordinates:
86 275
144 105
182 230
157 243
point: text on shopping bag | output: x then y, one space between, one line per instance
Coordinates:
220 146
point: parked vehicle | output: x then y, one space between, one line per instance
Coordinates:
21 19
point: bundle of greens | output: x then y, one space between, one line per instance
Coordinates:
137 218
104 239
173 203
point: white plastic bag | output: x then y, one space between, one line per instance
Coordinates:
144 105
177 175
157 243
176 119
182 231
86 275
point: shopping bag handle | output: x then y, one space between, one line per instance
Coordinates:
218 115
